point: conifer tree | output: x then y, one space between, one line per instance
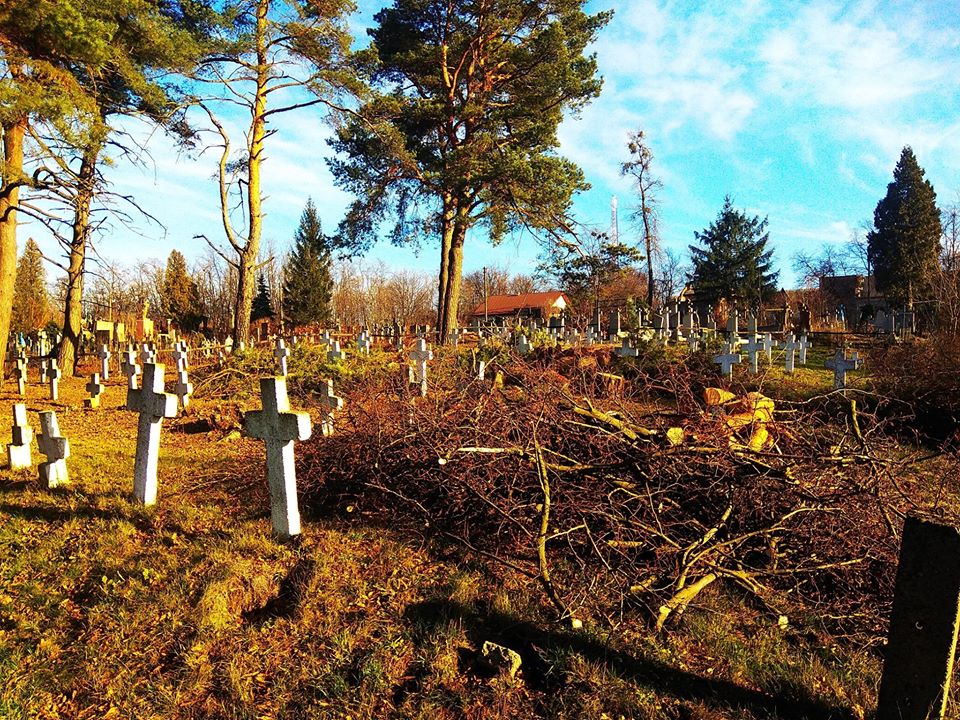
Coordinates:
732 262
181 295
262 306
31 303
904 245
307 281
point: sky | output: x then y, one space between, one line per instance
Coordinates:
797 110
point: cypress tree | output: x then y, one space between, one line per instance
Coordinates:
31 304
904 245
307 280
732 262
262 305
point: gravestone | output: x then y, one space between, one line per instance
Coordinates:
420 354
331 403
804 344
180 358
95 389
20 373
726 360
840 366
130 368
281 353
153 405
147 354
18 451
693 342
363 342
55 448
613 325
751 325
335 354
923 624
279 428
733 323
44 367
790 347
627 349
481 370
104 356
53 375
768 344
523 346
753 348
183 388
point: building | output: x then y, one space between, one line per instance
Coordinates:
851 299
540 306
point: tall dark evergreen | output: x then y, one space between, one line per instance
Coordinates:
904 244
307 281
732 261
262 306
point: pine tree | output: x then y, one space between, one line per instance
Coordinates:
181 296
307 282
732 262
904 244
262 306
31 303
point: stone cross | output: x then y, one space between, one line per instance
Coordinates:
180 357
840 365
693 342
325 339
733 323
130 368
281 353
627 349
768 344
751 324
43 371
613 325
420 354
104 356
363 342
804 344
95 388
726 360
20 373
154 405
278 427
590 336
331 403
147 355
790 347
335 354
753 348
184 388
18 451
56 448
53 374
523 345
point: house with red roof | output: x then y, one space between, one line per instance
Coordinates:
540 305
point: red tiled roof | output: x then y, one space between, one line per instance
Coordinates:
507 304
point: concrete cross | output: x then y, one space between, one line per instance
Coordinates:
55 448
768 344
790 346
147 355
130 368
331 403
44 364
363 342
733 323
325 339
20 373
523 345
53 375
753 348
710 323
183 389
18 451
693 342
627 349
153 405
104 356
278 427
420 355
804 344
455 337
281 353
726 360
662 323
840 365
180 357
335 354
95 388
751 324
590 336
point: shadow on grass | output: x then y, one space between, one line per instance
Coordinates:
529 639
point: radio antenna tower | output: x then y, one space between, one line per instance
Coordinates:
614 225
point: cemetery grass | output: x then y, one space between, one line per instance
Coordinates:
192 610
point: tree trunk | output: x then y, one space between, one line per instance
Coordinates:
68 354
13 134
446 236
454 276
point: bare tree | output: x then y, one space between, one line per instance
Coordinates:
646 186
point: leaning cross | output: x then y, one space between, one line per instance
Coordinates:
331 402
56 449
840 365
53 375
420 355
281 353
726 360
154 405
18 451
130 368
279 428
95 388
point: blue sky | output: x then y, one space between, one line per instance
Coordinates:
798 110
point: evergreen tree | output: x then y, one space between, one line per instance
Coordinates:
307 282
904 244
262 306
181 296
31 303
732 262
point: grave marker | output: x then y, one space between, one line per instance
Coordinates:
95 389
840 366
18 451
804 344
627 349
104 356
55 448
523 346
153 405
753 348
726 360
281 353
363 342
335 354
420 354
331 403
183 388
130 368
790 348
53 374
20 373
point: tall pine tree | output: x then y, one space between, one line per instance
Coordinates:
307 281
732 262
904 244
31 303
262 306
181 295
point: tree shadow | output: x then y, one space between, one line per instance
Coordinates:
530 640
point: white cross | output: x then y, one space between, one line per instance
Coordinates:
363 343
154 405
180 357
184 388
331 403
20 373
753 348
130 368
147 355
53 375
840 365
804 344
95 388
627 349
281 353
55 448
334 353
44 364
790 345
523 347
726 360
590 336
104 356
768 344
18 451
420 354
278 427
325 339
